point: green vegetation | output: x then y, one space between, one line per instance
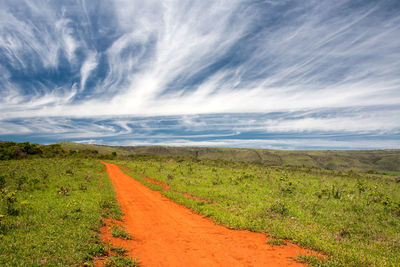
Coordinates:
12 150
120 232
120 251
363 160
351 217
51 209
276 242
119 261
314 261
345 204
106 150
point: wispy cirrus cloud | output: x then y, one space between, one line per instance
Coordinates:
87 67
323 66
274 130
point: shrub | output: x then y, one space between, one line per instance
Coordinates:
10 199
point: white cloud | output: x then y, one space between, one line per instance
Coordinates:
273 144
87 67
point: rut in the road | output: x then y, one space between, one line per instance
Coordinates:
168 234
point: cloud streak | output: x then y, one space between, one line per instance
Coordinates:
316 129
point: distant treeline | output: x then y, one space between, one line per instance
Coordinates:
13 150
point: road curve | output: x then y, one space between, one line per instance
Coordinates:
168 234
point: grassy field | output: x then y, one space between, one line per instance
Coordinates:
345 204
352 217
51 210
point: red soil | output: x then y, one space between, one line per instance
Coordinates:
168 234
167 187
107 238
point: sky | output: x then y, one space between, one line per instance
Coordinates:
280 74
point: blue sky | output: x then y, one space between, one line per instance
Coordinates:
259 73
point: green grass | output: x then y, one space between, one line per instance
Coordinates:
51 211
390 172
276 242
119 261
120 251
315 261
352 217
120 232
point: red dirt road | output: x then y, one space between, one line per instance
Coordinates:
168 234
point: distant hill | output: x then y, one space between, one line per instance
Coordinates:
375 160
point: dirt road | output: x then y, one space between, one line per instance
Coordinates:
168 234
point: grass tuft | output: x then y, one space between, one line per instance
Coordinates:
118 261
312 260
120 251
276 242
120 232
